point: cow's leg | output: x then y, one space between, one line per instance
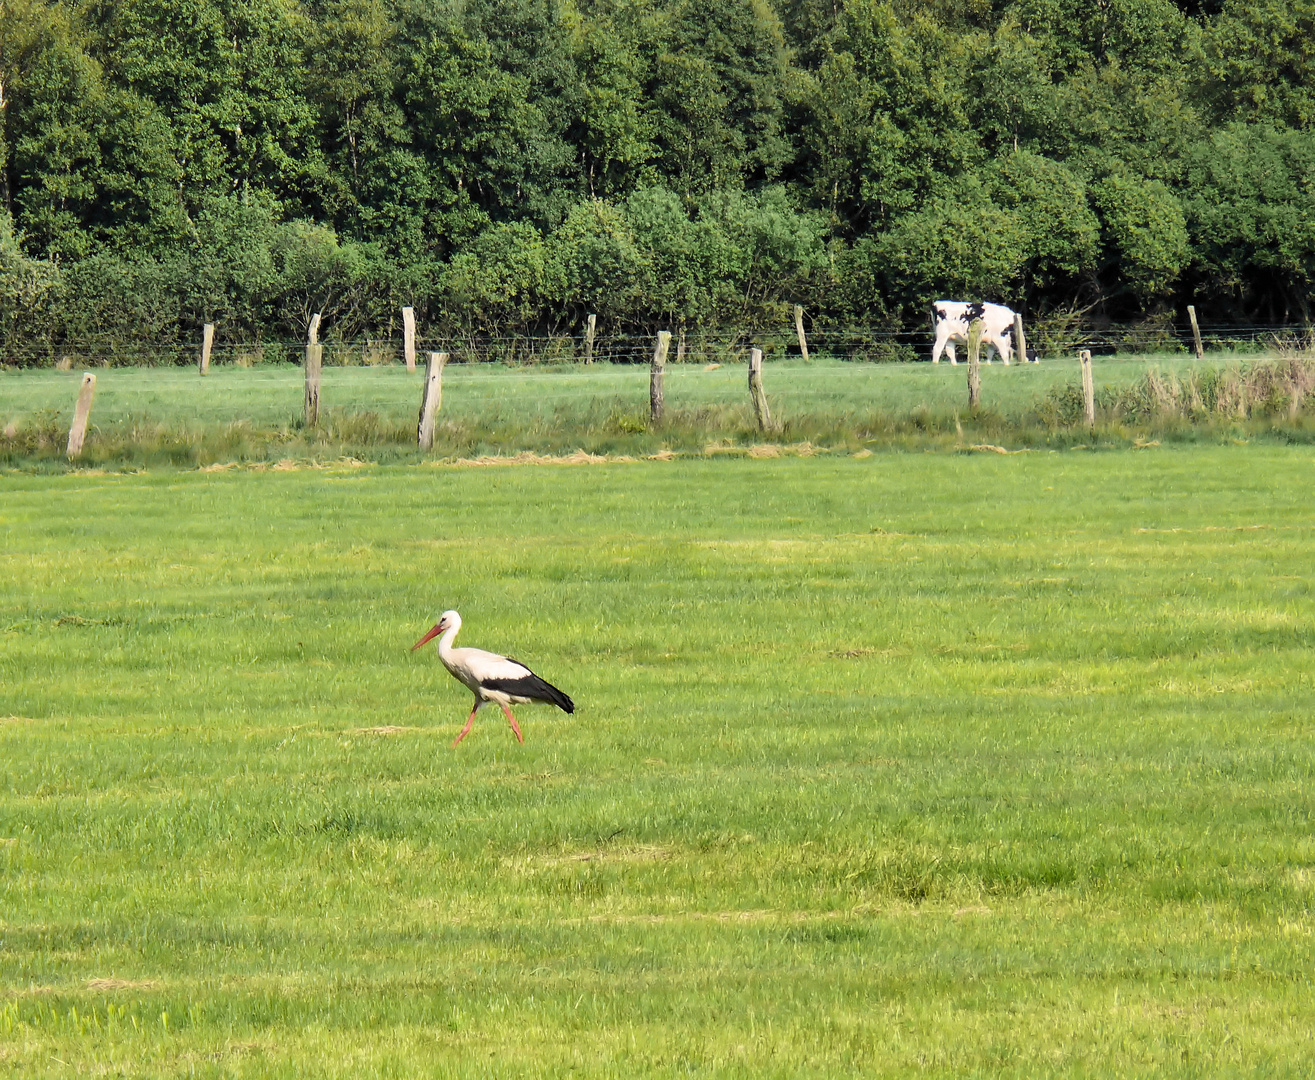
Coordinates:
942 338
949 351
1003 343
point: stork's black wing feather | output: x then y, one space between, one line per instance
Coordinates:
531 686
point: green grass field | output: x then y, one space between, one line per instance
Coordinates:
272 395
153 416
958 764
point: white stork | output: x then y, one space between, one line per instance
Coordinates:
490 677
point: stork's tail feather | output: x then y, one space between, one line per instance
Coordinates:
552 694
531 686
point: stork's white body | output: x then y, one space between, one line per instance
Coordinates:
490 676
477 669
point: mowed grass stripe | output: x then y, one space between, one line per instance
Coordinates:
993 765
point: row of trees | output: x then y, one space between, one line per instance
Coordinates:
512 164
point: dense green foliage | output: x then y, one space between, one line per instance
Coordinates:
971 766
512 165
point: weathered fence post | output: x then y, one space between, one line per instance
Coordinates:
656 404
760 409
590 326
680 346
432 399
1196 332
207 339
78 432
799 329
1088 388
974 364
314 361
1020 342
409 337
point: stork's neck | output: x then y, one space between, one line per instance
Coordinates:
445 642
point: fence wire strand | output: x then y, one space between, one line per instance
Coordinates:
855 343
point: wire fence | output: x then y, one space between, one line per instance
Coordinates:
852 343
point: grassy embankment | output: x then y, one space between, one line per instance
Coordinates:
171 416
963 764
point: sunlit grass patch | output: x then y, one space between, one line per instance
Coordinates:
977 763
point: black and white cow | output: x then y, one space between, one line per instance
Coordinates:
950 320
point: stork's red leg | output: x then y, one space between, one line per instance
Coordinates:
469 721
512 721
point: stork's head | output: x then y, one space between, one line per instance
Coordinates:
449 620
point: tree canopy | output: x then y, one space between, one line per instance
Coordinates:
509 165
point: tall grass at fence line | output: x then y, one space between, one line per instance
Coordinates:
1275 390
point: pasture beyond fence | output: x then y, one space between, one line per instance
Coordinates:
847 345
145 415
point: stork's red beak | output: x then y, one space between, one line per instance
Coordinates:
427 638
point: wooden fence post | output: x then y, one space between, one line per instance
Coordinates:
1020 341
656 404
680 346
799 329
760 409
431 400
78 432
314 361
590 326
1088 388
1196 332
207 339
975 329
409 337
